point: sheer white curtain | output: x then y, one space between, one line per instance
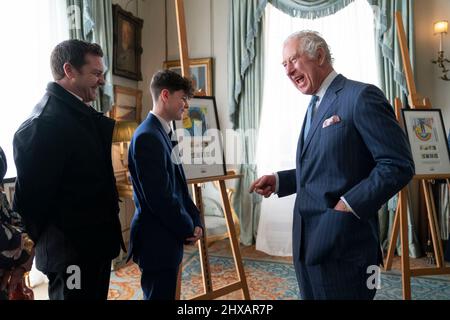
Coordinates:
350 35
29 31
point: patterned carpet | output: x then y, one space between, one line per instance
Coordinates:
267 280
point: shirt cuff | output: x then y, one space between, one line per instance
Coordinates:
277 183
350 208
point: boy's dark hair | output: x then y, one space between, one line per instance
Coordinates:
73 52
171 81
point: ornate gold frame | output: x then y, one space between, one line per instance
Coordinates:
206 62
137 94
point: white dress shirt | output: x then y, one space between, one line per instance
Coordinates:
164 123
78 97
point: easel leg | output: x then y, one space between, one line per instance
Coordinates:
178 292
394 237
234 241
203 250
432 222
440 249
406 271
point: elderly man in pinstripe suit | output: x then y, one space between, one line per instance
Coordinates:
352 156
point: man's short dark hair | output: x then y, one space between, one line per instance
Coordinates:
171 81
73 52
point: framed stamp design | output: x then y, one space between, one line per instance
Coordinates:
426 134
199 138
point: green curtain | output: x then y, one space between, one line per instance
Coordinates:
310 9
390 63
246 85
92 21
393 83
245 28
246 67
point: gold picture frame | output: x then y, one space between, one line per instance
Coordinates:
201 74
127 104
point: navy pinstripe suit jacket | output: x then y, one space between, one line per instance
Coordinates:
365 157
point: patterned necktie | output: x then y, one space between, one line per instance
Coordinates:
310 116
173 141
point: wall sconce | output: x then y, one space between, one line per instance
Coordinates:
123 132
441 28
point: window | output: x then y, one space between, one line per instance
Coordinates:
25 61
350 35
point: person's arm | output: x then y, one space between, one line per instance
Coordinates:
153 178
39 155
287 183
199 228
282 183
375 121
193 212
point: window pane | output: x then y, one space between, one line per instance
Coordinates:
25 61
350 35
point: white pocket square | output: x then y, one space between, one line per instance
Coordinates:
330 121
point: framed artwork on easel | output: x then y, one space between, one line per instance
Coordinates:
426 134
200 140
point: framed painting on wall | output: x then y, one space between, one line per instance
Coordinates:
127 44
127 104
200 146
201 74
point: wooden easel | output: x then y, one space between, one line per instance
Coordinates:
401 216
241 284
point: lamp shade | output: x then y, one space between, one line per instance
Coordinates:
123 131
441 27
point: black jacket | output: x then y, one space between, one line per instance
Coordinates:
65 188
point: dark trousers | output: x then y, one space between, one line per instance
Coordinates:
3 295
160 284
336 280
94 282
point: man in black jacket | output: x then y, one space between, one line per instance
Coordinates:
65 189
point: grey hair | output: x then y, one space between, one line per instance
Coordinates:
309 42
